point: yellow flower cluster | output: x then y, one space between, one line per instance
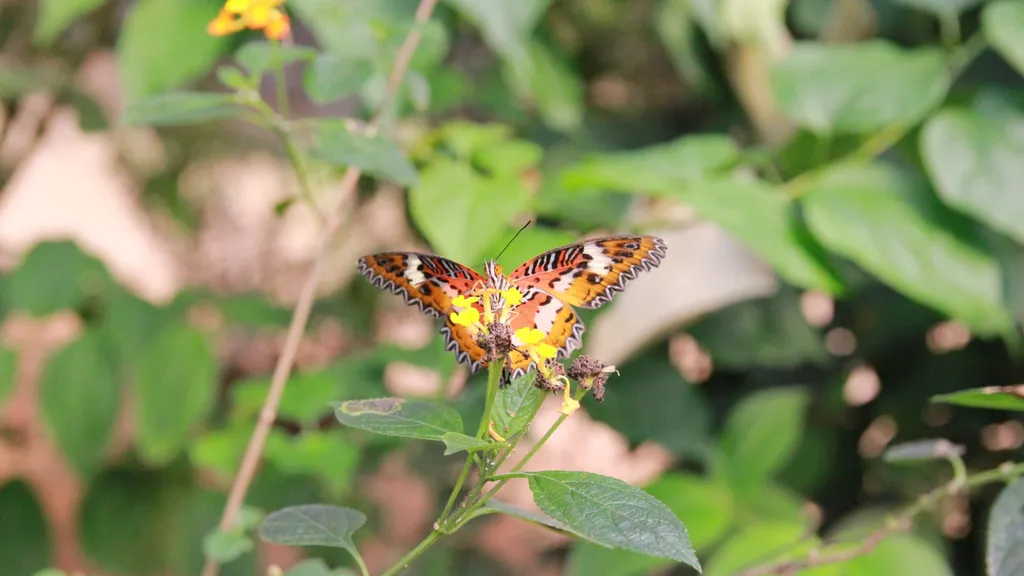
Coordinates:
263 15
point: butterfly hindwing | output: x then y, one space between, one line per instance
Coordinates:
561 325
423 280
589 273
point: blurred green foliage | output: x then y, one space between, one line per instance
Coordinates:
868 150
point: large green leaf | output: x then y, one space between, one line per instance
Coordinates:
974 160
554 87
763 219
333 76
260 56
164 44
1004 548
891 225
54 276
313 525
305 399
706 505
506 26
462 212
420 419
54 16
859 88
662 169
612 513
991 397
901 554
78 400
24 532
175 388
1003 25
374 155
761 435
761 543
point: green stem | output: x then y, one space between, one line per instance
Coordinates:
362 565
282 85
413 554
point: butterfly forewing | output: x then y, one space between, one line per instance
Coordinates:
423 280
589 273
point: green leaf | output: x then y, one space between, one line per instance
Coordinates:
420 419
767 332
25 542
992 397
224 547
164 44
553 86
311 567
508 157
373 155
461 212
533 517
466 138
259 57
515 406
662 169
706 505
921 450
324 454
313 525
54 276
761 217
612 513
759 544
941 7
234 78
859 88
902 554
761 435
332 77
181 109
304 399
1004 547
974 160
8 372
455 442
679 34
889 223
505 26
54 16
78 400
1003 26
175 388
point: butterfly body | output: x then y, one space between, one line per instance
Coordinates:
540 294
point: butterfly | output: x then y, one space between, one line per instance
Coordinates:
585 274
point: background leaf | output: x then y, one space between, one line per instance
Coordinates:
613 513
1003 24
374 155
1004 548
174 391
164 44
8 372
419 419
55 276
313 525
857 88
181 108
992 397
78 396
55 16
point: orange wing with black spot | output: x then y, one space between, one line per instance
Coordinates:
426 281
561 325
588 274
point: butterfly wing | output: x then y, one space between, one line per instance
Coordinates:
561 325
426 281
588 274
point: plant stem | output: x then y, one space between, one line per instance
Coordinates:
280 80
362 564
300 316
413 554
898 522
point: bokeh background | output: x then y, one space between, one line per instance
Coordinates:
837 181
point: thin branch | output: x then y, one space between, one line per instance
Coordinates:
254 451
899 522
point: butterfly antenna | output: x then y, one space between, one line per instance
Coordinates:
528 222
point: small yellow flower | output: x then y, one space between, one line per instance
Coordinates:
467 317
253 14
531 339
461 301
513 297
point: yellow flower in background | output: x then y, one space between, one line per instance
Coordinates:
252 14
